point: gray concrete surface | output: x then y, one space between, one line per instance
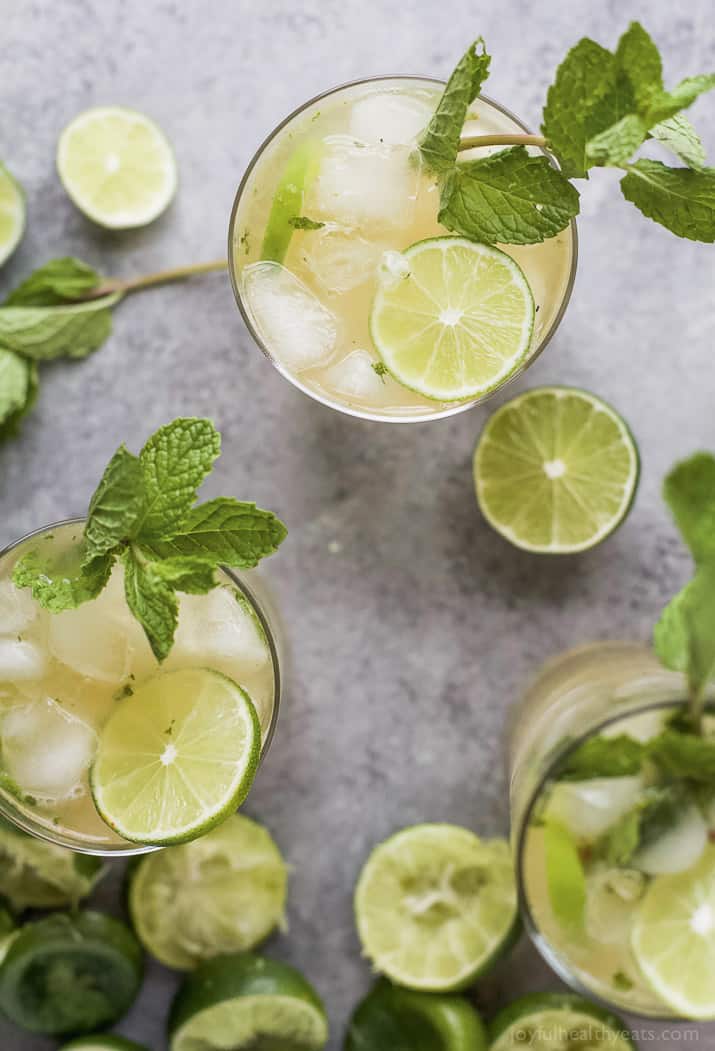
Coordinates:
412 625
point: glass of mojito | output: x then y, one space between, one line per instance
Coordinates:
351 285
612 821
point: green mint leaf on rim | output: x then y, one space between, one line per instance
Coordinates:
689 491
620 756
58 586
18 388
175 462
46 333
55 283
684 756
117 506
509 197
656 812
439 143
152 601
679 136
680 199
302 222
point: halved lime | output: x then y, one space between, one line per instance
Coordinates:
39 875
176 757
455 321
565 876
12 214
117 166
673 938
435 906
554 1021
246 1001
287 203
224 892
103 1042
394 1019
556 470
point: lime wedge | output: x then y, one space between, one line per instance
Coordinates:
176 757
555 1021
435 906
673 938
555 470
39 875
102 1042
224 892
246 1001
455 320
117 166
393 1019
12 214
287 204
565 876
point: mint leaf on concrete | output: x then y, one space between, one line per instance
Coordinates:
509 197
46 333
153 602
55 283
175 461
117 506
15 385
679 136
689 491
680 199
439 143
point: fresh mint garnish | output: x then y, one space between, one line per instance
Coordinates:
18 388
302 222
681 138
684 756
681 199
620 756
56 283
439 143
143 513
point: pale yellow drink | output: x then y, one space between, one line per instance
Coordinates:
363 183
62 675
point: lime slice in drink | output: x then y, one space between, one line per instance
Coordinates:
673 938
70 973
117 166
12 214
555 1021
103 1042
565 877
455 320
246 1001
39 875
176 757
394 1019
555 470
224 892
435 906
297 176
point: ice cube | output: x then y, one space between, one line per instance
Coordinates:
389 117
18 609
370 187
295 326
355 377
21 660
677 848
45 749
217 631
340 259
588 808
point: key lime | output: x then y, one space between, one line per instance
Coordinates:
554 1021
436 906
176 757
70 973
673 938
394 1019
224 892
246 1001
456 321
39 875
297 176
555 470
103 1042
12 214
117 166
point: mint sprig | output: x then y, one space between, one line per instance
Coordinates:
143 514
439 143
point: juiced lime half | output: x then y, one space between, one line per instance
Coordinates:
12 214
435 906
39 875
224 892
556 470
117 166
673 938
176 757
103 1042
454 319
394 1019
556 1021
246 1001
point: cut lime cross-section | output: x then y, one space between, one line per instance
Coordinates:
435 906
673 938
394 1019
555 470
455 320
555 1022
117 166
12 214
177 757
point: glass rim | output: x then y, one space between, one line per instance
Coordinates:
556 960
45 833
323 399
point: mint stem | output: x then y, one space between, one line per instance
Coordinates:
469 142
162 277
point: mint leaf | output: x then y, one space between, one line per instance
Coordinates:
689 491
679 136
439 143
509 197
302 222
667 103
57 585
685 756
15 384
656 812
620 756
152 601
45 333
175 461
684 637
196 576
680 199
640 60
117 506
55 283
225 532
617 143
